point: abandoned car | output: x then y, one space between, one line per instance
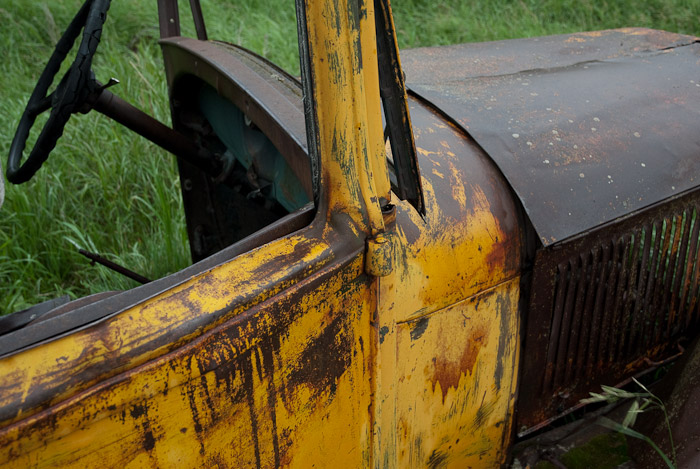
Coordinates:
460 243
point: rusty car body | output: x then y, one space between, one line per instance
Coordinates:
527 232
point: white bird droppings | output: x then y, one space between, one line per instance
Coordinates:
593 129
636 134
516 135
643 165
581 175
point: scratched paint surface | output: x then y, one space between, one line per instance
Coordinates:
457 380
291 355
235 396
447 326
42 376
470 239
343 114
166 401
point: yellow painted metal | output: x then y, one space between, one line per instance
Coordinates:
375 132
456 382
342 112
52 365
228 398
380 257
448 320
308 350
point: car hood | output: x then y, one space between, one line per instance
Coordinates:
586 127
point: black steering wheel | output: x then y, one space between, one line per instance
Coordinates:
73 89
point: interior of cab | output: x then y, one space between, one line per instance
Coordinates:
248 113
245 174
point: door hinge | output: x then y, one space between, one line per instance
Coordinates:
380 255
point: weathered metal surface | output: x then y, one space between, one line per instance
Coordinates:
39 377
242 394
71 305
586 127
21 318
79 318
490 59
371 63
289 349
289 354
162 380
168 18
448 320
607 305
346 119
198 19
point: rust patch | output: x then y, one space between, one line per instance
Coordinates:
582 135
448 372
247 368
140 412
497 256
325 359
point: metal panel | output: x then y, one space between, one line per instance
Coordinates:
585 129
617 300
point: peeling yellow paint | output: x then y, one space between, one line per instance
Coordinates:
297 354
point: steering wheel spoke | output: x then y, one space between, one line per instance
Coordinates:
42 105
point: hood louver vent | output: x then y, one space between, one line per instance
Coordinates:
608 305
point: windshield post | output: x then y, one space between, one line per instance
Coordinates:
338 114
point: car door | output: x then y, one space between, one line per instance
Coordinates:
262 359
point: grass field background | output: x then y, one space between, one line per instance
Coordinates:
107 190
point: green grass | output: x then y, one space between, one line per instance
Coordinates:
604 451
110 191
